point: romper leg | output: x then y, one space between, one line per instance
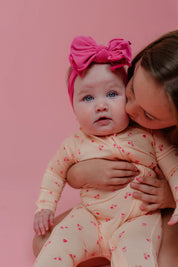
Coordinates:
72 241
136 243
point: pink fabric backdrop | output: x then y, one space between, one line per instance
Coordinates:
35 111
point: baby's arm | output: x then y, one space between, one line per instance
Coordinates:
167 156
51 188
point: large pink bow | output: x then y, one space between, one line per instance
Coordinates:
84 51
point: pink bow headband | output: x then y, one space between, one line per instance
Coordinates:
84 51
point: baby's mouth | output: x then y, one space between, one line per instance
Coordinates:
103 120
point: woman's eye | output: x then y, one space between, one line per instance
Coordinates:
112 94
88 98
149 117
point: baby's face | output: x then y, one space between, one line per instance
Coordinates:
99 101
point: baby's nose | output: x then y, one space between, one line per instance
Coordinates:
101 107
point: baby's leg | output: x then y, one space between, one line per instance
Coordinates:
72 241
137 242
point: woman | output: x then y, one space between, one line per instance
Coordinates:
153 76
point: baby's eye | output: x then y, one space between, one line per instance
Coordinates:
112 94
88 98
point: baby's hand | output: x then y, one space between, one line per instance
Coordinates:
173 220
43 220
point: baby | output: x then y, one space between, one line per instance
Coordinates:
106 223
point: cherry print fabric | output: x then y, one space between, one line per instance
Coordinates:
114 214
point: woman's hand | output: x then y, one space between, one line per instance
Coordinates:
43 220
102 174
155 193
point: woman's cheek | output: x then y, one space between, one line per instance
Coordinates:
129 108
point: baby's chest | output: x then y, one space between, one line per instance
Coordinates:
138 149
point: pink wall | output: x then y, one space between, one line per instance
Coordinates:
35 113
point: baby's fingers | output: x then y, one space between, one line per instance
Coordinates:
46 222
173 220
42 226
51 219
36 228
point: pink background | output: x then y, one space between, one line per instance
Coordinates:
35 112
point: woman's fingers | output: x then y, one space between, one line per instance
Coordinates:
150 202
144 188
159 172
123 165
154 182
146 197
112 187
120 181
124 173
149 207
123 169
154 191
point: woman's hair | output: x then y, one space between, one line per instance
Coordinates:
160 59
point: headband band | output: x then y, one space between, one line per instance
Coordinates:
85 51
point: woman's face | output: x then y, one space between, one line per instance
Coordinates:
147 102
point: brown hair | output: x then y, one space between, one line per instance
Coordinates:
160 59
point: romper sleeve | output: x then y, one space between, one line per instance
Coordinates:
167 157
54 177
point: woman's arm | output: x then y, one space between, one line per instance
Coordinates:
110 175
102 174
